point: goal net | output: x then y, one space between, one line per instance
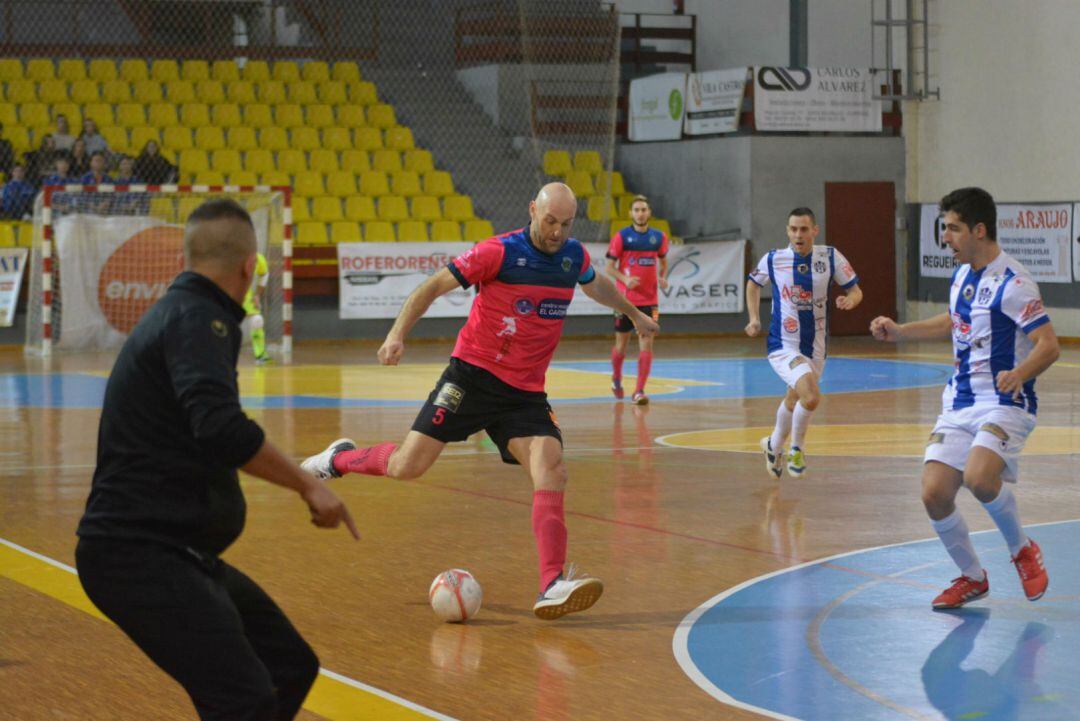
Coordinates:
102 255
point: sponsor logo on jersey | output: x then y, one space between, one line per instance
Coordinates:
984 295
1032 309
799 296
968 292
819 266
791 325
553 308
567 264
524 306
803 268
646 260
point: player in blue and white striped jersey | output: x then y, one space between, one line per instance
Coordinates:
1002 339
800 275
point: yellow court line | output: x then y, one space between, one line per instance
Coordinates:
335 697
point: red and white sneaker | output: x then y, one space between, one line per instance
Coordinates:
963 590
616 388
1029 564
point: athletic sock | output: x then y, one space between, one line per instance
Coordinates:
953 532
800 422
644 365
616 365
258 342
549 528
371 461
782 429
1007 517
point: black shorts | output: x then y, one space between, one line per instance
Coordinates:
623 324
468 399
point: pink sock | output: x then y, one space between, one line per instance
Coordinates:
369 461
549 527
644 365
616 365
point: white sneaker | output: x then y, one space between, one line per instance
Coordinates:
322 465
568 594
774 462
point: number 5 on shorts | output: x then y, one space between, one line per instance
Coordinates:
439 416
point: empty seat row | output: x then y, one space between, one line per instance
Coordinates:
558 162
322 160
378 231
394 208
135 69
309 184
271 92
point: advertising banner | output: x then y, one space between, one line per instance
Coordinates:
374 279
819 99
12 262
656 107
714 100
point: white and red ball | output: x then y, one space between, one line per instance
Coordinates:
455 595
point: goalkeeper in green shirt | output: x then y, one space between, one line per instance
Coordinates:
253 302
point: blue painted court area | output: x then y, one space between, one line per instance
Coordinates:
711 378
853 638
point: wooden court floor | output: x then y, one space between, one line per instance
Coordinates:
666 527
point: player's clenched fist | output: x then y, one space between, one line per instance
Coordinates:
390 352
885 329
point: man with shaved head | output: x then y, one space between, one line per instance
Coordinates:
495 379
166 500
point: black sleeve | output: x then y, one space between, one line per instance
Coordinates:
201 360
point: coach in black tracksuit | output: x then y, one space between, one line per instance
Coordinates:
166 501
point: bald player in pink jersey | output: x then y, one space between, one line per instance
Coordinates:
495 379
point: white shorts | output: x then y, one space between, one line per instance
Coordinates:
1002 429
792 366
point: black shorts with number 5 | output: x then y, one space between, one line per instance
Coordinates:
623 324
468 399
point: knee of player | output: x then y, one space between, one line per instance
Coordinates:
937 501
984 487
404 468
810 400
552 477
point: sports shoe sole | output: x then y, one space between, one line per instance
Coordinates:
641 401
962 604
581 598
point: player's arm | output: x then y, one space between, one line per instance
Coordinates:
887 329
661 276
440 283
851 298
753 308
1041 357
611 268
603 291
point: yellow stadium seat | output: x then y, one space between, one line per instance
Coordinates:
9 114
142 135
425 208
116 91
311 232
348 72
163 208
147 92
165 70
417 160
367 138
292 161
301 93
355 161
71 69
226 160
258 115
326 208
405 182
225 70
134 70
412 231
225 115
610 182
305 138
315 71
243 177
381 115
446 231
100 113
323 160
332 92
85 91
211 92
661 225
580 181
257 160
588 160
360 208
345 231
388 161
25 232
351 116
18 136
40 69
195 71
320 116
117 138
275 178
162 115
193 160
11 69
374 183
341 183
438 182
131 114
102 70
53 91
309 184
241 138
255 70
273 138
623 205
288 116
8 237
194 114
22 91
600 209
271 92
73 113
477 230
287 71
379 231
209 177
337 138
185 206
393 208
557 162
39 132
34 114
399 138
241 92
209 137
458 207
363 93
301 211
180 91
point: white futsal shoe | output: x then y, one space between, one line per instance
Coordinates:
774 462
568 594
322 465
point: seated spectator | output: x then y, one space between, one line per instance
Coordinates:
39 163
18 198
129 203
61 175
63 137
95 143
152 167
80 159
95 202
7 154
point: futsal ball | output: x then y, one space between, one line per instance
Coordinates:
455 595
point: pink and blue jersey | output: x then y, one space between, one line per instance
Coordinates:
521 302
638 255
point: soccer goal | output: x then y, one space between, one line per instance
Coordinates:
102 255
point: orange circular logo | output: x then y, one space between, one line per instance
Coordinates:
138 273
